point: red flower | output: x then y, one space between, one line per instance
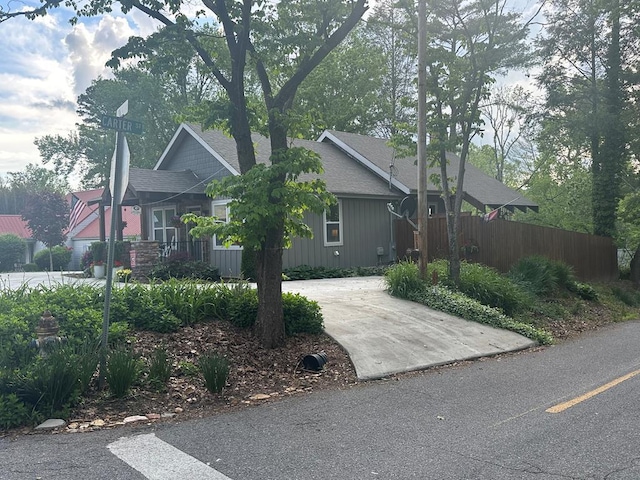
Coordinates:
117 263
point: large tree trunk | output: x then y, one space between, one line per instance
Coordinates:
269 326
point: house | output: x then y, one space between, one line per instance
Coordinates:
85 223
14 224
361 171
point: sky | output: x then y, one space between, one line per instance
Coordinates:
44 65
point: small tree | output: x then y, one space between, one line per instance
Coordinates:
11 251
47 215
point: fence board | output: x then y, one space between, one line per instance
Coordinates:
501 243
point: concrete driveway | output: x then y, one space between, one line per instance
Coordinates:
386 335
382 334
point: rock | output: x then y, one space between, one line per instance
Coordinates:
179 410
259 396
51 424
153 416
97 423
168 415
135 418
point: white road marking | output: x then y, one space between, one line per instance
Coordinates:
158 460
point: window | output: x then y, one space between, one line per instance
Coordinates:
333 225
164 230
220 211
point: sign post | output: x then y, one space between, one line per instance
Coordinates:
118 181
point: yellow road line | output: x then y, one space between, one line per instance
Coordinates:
561 407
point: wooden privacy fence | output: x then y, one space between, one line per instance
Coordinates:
501 243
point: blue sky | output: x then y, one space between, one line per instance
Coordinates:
45 64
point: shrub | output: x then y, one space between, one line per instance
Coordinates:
30 267
490 287
159 368
248 264
180 265
61 258
215 370
541 275
305 272
55 382
301 315
243 305
402 279
12 249
98 251
135 304
584 291
13 412
123 369
627 297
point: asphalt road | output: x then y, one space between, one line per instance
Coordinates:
486 419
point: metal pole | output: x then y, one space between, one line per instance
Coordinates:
115 206
423 206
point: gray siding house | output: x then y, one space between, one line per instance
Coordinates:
360 171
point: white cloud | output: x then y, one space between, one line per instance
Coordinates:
90 48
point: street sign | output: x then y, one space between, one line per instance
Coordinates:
123 174
121 124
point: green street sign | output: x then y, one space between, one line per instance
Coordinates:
121 124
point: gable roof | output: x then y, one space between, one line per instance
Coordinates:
15 225
342 176
92 228
145 180
481 190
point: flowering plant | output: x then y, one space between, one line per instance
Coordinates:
117 263
123 275
97 263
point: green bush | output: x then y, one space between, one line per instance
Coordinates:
402 279
248 264
135 304
13 412
306 272
301 315
123 369
30 267
584 291
627 297
215 370
12 249
61 258
444 300
243 305
55 382
491 288
180 265
541 275
98 251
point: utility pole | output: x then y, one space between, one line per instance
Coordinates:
423 206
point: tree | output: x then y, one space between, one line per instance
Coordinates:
584 67
344 92
508 113
88 150
17 186
47 215
11 251
391 28
469 43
